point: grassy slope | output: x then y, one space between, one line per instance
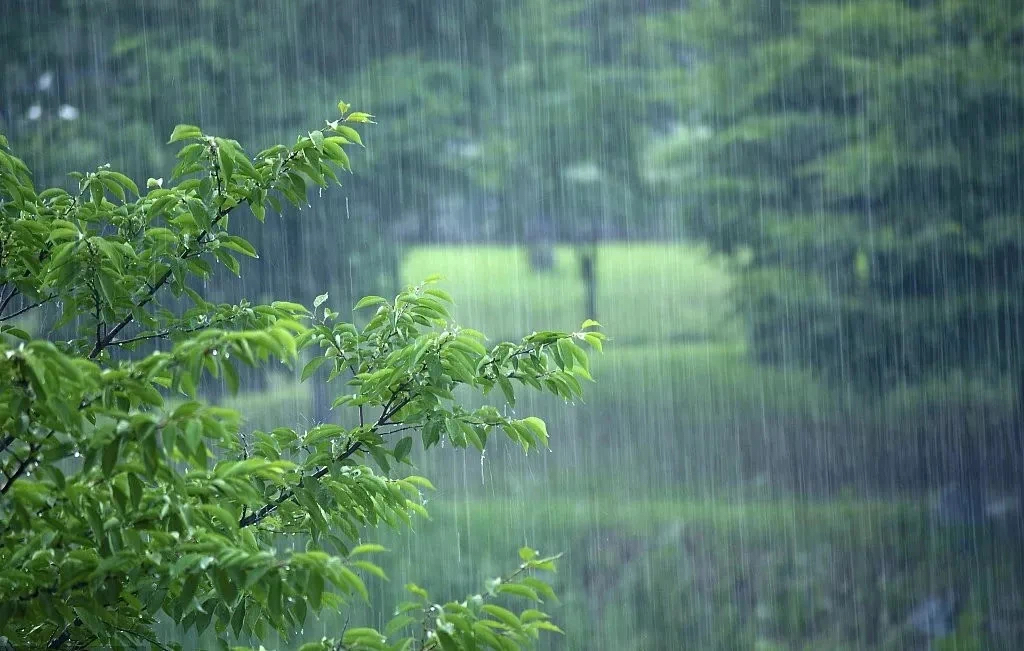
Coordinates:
645 291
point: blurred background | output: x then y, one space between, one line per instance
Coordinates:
801 223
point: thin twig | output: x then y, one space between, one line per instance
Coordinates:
65 635
163 333
103 343
7 299
400 429
142 636
23 465
26 309
258 516
99 312
263 513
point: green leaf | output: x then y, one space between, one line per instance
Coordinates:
125 181
294 308
135 490
350 133
518 590
502 615
364 118
110 455
370 568
16 332
538 428
368 301
311 367
594 340
402 448
314 589
507 390
230 376
236 243
228 261
318 139
421 482
367 548
356 583
184 132
398 623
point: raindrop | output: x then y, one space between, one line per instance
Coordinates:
67 112
45 81
35 112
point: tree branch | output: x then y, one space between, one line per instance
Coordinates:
26 309
58 641
221 214
165 333
23 465
153 289
267 510
7 299
123 323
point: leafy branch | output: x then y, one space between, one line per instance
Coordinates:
161 513
268 509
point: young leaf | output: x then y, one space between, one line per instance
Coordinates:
402 448
368 301
184 132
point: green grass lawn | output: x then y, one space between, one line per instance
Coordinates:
645 292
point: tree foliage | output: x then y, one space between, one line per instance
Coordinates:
108 82
126 501
866 156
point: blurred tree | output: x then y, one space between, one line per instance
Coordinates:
563 152
866 159
109 77
863 162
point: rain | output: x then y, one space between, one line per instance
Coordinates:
800 225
